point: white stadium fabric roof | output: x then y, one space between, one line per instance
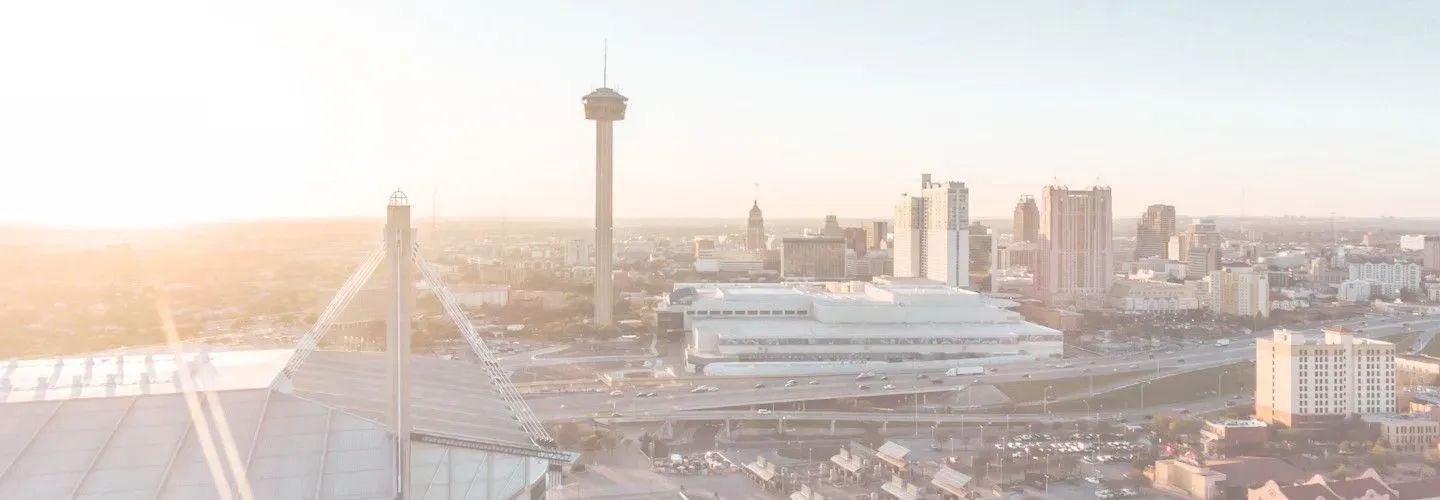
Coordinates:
125 431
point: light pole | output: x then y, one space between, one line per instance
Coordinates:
1219 380
1047 475
1045 399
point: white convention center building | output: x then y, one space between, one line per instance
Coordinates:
745 328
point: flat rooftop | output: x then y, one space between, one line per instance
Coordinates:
784 328
1237 422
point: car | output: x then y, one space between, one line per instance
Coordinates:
813 382
863 387
1084 370
711 389
994 370
1149 417
763 411
698 389
760 385
936 381
889 387
922 376
1027 375
1229 404
790 383
884 377
617 393
1133 366
1181 360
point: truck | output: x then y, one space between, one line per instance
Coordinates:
964 370
1222 342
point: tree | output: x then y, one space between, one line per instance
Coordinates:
1178 427
1380 457
568 435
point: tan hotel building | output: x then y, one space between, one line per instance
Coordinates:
1306 381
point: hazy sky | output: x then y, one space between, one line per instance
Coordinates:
143 113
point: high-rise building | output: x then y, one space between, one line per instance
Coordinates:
855 240
947 233
1076 246
1430 256
1240 291
1153 232
1204 232
909 243
831 228
755 229
577 253
1179 247
932 238
1200 261
1312 381
1027 219
1389 279
982 255
606 107
875 231
704 248
812 258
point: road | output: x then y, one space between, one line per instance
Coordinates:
1134 415
674 397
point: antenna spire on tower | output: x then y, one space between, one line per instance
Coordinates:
605 64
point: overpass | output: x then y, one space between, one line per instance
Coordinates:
736 392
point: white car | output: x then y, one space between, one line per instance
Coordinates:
763 411
617 393
888 387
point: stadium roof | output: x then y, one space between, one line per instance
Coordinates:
127 430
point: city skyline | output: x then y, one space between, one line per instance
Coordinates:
271 117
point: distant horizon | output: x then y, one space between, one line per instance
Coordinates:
420 220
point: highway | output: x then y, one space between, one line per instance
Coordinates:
675 397
1131 415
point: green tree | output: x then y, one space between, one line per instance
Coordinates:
1380 457
1179 427
568 435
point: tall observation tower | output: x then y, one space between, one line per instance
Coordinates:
605 106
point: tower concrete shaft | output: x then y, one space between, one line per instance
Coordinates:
605 106
400 286
604 222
